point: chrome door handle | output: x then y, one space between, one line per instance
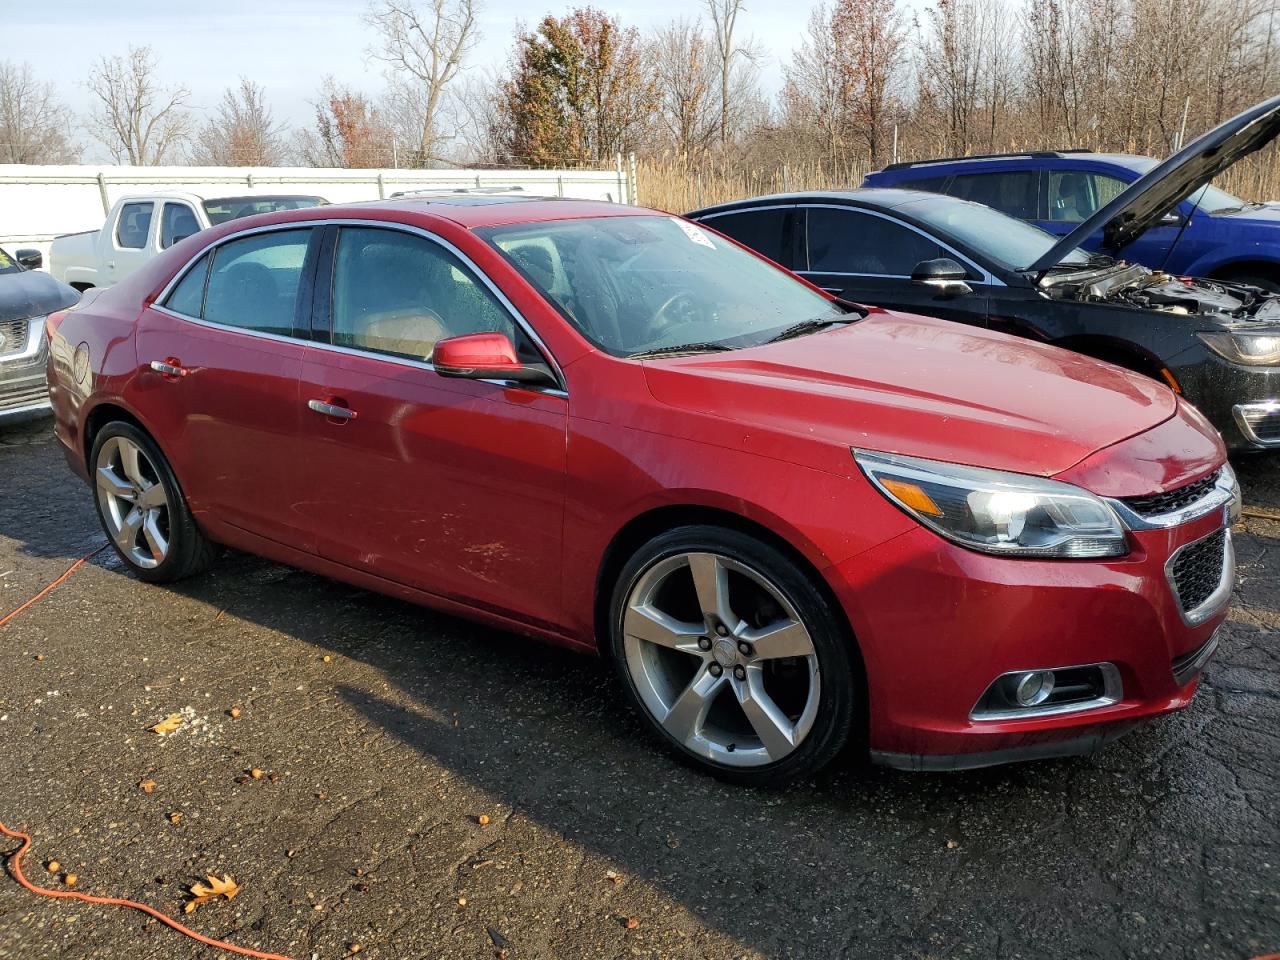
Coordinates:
331 410
168 369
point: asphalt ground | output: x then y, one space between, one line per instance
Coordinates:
384 733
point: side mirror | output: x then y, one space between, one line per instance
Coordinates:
29 258
944 276
485 356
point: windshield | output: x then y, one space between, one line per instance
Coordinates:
1006 240
640 284
233 208
8 264
1208 198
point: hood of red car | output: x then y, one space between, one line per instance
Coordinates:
925 388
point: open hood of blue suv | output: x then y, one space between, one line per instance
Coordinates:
1153 195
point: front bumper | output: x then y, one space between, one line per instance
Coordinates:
23 388
976 617
1243 402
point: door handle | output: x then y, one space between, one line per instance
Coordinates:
170 367
331 409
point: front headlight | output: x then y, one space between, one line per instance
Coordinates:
1009 514
1255 348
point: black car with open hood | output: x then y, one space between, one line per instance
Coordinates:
27 296
1216 342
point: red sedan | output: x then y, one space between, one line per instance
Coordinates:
792 524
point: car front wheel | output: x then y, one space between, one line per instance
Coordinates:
142 509
734 656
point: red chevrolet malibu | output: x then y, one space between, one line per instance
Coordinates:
791 523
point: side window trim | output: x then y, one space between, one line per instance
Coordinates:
984 276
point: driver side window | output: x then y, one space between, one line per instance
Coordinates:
398 293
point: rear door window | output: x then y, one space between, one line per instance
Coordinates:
765 231
254 282
134 225
187 298
853 242
1009 191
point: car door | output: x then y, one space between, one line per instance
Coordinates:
1073 195
868 257
768 230
220 355
132 242
451 486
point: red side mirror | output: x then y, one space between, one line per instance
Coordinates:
485 356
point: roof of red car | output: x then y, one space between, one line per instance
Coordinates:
489 211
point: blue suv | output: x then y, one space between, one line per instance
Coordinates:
1209 234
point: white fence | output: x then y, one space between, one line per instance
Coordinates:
38 203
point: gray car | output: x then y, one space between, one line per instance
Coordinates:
27 296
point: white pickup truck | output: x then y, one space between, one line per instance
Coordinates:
139 227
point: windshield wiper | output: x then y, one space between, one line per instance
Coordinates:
808 326
706 347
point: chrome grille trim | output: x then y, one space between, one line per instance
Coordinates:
1225 493
1221 594
1259 422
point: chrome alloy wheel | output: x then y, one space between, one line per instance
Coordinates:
133 502
721 659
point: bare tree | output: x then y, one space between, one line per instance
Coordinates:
136 119
729 53
685 72
34 124
242 132
813 97
424 44
871 44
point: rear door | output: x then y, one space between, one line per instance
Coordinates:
220 357
868 257
451 486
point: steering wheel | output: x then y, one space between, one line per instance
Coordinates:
677 311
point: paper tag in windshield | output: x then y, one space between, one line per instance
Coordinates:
693 233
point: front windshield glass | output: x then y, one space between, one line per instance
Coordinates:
8 264
1208 198
233 208
1011 242
640 284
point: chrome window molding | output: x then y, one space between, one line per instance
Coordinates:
1247 416
516 316
32 348
1225 494
1112 693
986 277
1221 595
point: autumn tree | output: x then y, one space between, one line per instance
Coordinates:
686 77
242 131
813 96
869 41
579 89
349 131
137 119
424 43
34 124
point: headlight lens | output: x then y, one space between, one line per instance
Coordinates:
1255 348
1009 514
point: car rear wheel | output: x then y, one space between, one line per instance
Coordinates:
142 508
733 656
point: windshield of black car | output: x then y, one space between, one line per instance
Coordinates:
640 284
1010 242
1208 198
8 264
233 208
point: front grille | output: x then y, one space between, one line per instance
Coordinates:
1197 570
1263 422
13 336
1154 504
23 398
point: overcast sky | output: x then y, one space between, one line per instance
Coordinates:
289 45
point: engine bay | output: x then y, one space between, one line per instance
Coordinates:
1136 286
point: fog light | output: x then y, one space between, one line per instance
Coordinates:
1034 688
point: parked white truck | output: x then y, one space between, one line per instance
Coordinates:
139 227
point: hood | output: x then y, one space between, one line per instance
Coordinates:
922 387
1170 182
32 293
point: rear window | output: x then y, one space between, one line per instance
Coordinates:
233 208
1010 191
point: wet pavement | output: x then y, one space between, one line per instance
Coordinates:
383 733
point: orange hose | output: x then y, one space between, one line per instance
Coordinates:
15 858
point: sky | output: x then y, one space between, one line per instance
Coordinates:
287 46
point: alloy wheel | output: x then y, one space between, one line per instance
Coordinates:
720 659
133 502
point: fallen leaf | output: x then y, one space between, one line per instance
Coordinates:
614 876
952 845
631 923
70 879
146 786
175 817
169 724
352 947
255 773
234 713
53 866
39 656
203 893
273 776
462 901
483 819
326 658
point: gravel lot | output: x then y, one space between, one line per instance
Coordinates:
384 732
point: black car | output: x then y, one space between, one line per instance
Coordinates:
26 297
1217 343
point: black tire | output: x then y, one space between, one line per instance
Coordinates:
839 679
189 550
